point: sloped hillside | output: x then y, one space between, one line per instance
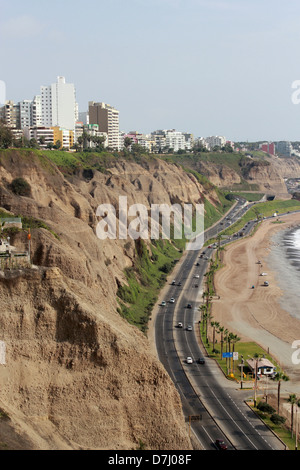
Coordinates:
77 374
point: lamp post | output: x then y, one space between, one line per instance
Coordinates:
296 430
242 366
256 358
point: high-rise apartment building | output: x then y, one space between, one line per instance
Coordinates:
215 141
284 148
10 114
25 113
36 111
107 119
58 105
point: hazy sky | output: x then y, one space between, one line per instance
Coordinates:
210 67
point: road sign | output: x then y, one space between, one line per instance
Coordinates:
194 418
235 356
227 354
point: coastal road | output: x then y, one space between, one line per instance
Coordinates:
214 406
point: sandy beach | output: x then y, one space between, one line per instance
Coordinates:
258 314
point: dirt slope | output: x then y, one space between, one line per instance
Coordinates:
77 375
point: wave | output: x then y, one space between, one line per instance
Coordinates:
284 261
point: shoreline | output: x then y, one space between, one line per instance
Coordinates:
256 314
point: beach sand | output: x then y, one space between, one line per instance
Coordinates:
256 314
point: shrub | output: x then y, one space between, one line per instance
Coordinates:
265 407
277 419
20 187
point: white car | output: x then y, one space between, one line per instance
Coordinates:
189 360
172 300
163 303
197 276
189 328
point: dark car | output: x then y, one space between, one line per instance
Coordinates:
201 360
221 444
189 306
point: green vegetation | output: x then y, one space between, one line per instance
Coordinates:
33 223
276 422
260 210
20 187
27 223
250 197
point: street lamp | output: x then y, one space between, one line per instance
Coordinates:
256 358
242 366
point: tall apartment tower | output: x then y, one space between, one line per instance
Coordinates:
58 105
36 111
10 113
107 119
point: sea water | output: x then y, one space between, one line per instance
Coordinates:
284 262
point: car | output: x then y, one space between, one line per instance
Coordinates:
189 360
179 325
179 284
173 283
196 276
163 303
196 285
221 444
189 306
172 300
197 264
189 328
201 360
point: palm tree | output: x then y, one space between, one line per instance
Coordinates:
292 400
279 377
226 334
215 325
221 330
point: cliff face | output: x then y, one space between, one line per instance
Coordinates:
268 174
77 375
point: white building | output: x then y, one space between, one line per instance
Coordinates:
36 111
58 105
172 139
175 140
25 113
43 135
215 141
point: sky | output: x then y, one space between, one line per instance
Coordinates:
209 67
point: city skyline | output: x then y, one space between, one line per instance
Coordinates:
205 67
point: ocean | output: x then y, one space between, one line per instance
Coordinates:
284 261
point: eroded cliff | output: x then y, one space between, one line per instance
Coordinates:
77 374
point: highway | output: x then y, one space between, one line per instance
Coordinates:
214 406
